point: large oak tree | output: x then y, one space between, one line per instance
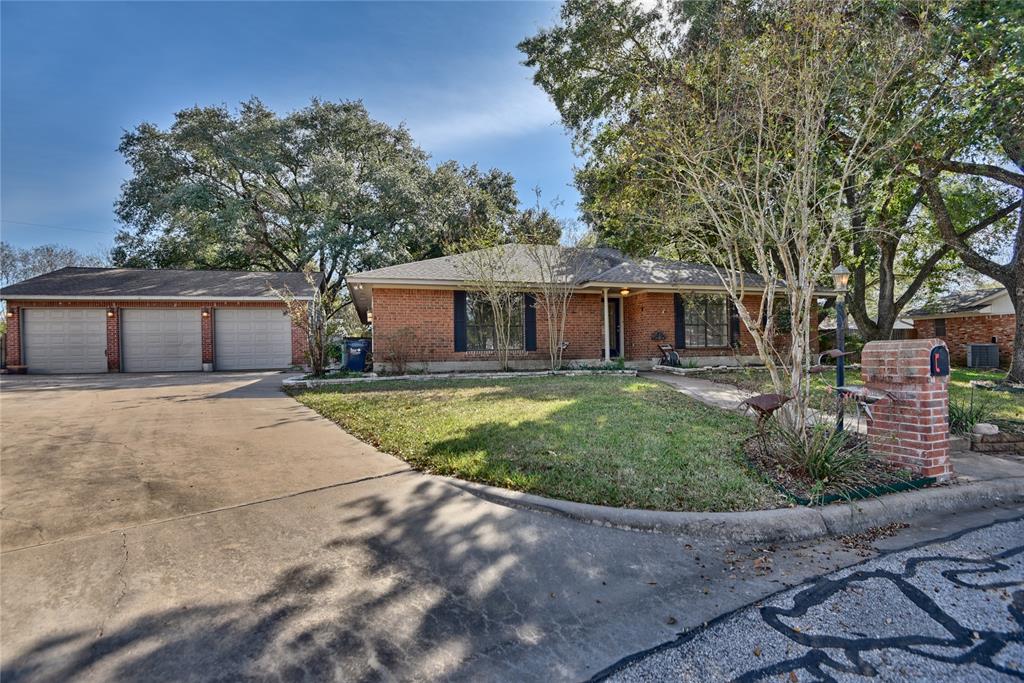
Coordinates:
325 188
605 60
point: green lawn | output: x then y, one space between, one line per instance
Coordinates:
607 440
1004 405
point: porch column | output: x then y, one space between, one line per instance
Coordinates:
607 348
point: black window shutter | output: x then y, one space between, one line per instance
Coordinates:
529 322
460 320
734 326
680 319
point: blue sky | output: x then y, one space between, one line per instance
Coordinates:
76 75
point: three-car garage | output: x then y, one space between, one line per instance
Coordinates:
86 320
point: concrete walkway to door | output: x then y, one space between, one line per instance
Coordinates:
193 527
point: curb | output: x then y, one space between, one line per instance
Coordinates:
768 526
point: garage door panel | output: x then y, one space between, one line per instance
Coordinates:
65 340
161 340
252 339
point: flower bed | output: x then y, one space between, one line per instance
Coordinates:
872 476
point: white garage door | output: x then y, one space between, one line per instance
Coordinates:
161 339
65 339
252 338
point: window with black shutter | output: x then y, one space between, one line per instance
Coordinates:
481 334
940 327
706 321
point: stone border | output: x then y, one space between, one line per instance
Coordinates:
768 526
313 383
720 368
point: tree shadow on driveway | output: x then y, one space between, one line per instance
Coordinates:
420 581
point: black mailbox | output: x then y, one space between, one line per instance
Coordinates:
938 364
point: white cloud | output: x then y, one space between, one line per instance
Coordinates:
448 119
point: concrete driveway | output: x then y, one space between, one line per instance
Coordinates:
202 527
93 453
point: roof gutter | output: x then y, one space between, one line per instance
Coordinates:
356 282
101 297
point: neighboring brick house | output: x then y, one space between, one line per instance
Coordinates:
621 308
76 320
979 316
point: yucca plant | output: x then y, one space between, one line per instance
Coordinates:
964 414
832 461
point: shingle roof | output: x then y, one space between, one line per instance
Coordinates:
659 271
139 283
958 302
517 260
595 265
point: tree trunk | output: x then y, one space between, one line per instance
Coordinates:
1016 291
1016 373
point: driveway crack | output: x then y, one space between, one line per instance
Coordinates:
122 588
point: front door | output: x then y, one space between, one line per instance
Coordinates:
614 326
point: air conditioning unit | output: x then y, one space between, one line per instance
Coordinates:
982 356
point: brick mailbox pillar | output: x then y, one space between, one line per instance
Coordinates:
911 428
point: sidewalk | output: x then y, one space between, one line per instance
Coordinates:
967 465
729 397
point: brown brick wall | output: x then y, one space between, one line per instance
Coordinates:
113 339
430 314
207 322
649 312
300 346
912 429
299 342
12 352
973 329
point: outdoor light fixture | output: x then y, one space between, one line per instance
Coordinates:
369 316
841 277
206 314
110 313
624 291
10 314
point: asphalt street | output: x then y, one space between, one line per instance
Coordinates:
950 610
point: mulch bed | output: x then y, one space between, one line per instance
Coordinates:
881 477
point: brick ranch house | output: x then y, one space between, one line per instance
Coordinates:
621 308
979 316
83 320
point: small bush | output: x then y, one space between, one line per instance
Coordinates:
830 461
965 413
399 349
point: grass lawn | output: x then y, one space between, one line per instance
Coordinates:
1004 405
607 440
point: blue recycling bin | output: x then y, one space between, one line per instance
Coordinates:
355 354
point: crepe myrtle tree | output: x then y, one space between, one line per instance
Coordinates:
491 270
557 272
311 316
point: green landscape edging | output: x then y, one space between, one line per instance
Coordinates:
859 493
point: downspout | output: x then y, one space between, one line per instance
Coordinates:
607 347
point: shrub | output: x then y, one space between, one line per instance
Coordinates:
964 414
399 348
832 460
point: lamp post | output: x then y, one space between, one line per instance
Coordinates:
840 279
